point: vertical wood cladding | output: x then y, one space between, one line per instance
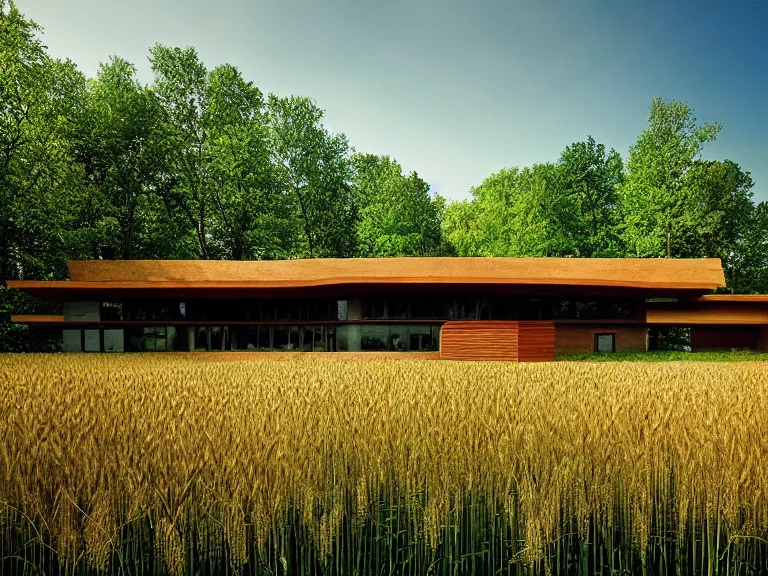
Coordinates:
498 340
536 342
577 338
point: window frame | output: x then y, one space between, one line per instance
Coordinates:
597 340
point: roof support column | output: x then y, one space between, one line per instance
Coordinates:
354 331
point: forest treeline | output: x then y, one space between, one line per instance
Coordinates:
201 164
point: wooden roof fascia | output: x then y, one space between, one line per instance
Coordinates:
267 284
37 319
577 271
733 298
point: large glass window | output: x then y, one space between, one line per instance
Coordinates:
397 308
151 310
423 338
111 311
149 339
202 338
217 338
373 308
605 309
281 339
374 337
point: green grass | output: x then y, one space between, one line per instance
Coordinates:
667 356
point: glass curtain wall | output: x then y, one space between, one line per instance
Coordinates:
371 323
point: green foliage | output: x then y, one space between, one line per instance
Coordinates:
654 197
747 270
397 215
202 164
590 179
563 209
510 215
38 177
668 356
119 149
315 171
21 338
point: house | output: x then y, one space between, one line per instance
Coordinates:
471 308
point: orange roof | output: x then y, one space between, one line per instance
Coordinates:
580 271
712 314
711 309
188 276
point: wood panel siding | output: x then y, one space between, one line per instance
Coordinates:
689 274
536 342
580 338
498 340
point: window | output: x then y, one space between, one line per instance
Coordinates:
605 342
201 338
374 337
373 309
149 339
397 308
111 311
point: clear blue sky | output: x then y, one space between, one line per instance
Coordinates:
454 89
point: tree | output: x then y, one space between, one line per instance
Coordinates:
716 202
218 158
181 87
746 271
119 148
653 197
398 217
460 229
590 179
314 168
513 213
40 96
252 217
39 181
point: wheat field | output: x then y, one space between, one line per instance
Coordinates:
153 464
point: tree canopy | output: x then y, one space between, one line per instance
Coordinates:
200 163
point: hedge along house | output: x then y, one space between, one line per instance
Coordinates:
471 308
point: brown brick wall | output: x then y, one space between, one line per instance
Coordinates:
762 338
711 337
574 338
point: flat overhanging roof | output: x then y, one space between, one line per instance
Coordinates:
731 309
103 279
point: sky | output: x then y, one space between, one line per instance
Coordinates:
457 90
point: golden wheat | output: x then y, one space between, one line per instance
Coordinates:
228 457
